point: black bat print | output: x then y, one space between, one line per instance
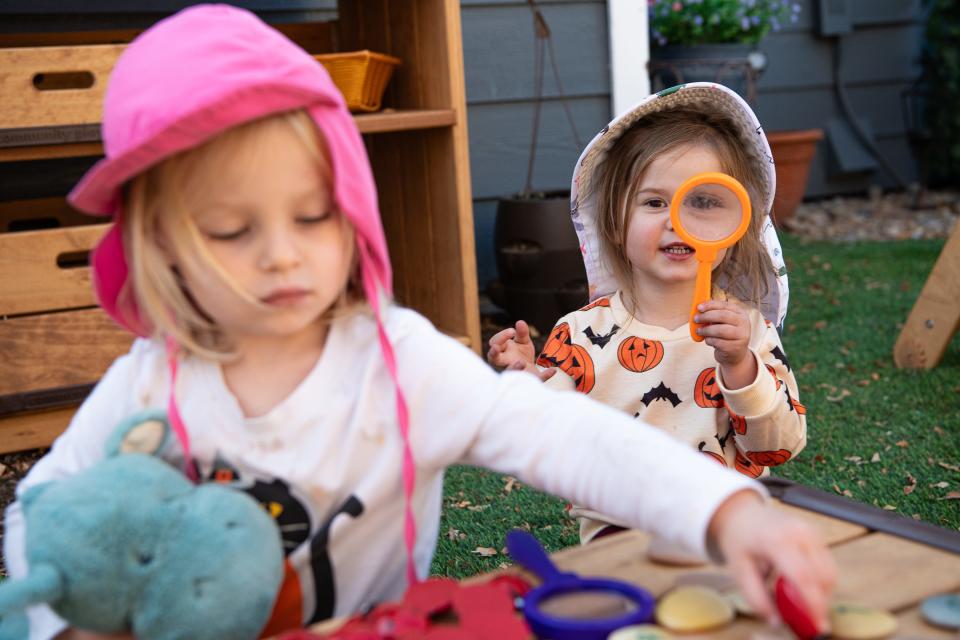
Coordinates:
601 340
660 392
781 356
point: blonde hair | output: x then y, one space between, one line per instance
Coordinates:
622 171
158 225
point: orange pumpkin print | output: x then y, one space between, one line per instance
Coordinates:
769 458
799 408
579 366
706 392
557 347
570 358
600 302
639 354
773 372
746 467
738 423
716 456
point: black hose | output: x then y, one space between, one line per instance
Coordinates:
841 91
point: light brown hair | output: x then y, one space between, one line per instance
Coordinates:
159 229
746 266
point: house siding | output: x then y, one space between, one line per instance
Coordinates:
796 91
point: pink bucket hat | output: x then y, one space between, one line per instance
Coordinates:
191 77
179 84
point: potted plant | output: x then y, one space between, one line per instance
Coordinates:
541 272
718 41
713 40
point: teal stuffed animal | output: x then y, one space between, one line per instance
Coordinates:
130 545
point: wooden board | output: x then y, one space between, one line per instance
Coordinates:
880 570
935 317
33 430
46 270
56 350
33 96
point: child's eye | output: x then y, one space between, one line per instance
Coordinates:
654 203
314 219
700 201
226 235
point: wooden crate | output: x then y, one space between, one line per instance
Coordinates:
59 343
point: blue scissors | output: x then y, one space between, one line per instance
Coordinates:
568 607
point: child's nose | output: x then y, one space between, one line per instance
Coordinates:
668 223
280 251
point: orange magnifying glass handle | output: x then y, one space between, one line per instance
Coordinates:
707 249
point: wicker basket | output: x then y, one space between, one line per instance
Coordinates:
361 76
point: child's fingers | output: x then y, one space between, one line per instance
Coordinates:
752 586
522 333
719 316
546 374
711 305
500 339
720 331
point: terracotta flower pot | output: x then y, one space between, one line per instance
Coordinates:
793 152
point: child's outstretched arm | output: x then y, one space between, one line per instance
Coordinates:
759 389
513 349
597 456
754 539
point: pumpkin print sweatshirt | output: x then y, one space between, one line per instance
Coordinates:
666 380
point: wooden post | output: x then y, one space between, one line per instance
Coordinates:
935 317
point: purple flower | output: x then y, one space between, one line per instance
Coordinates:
745 23
698 20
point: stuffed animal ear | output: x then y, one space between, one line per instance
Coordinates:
145 432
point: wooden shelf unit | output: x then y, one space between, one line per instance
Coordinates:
56 342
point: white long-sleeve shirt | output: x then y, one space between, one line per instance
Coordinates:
328 457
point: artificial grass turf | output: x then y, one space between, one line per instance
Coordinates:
877 434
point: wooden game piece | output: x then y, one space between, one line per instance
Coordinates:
640 632
942 610
693 608
853 622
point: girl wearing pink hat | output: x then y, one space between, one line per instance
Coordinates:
248 255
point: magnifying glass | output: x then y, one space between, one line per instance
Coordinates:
568 607
710 212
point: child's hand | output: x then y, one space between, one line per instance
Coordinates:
756 539
727 329
513 349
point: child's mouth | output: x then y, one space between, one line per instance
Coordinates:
677 251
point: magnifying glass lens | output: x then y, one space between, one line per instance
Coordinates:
587 605
710 212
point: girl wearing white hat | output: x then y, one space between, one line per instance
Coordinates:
732 396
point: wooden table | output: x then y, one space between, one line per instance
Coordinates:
874 569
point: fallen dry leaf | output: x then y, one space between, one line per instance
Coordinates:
507 488
938 431
889 507
943 484
903 444
820 324
838 398
911 485
953 495
453 534
952 467
462 504
875 458
853 459
874 376
479 507
485 552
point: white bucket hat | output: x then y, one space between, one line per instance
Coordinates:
708 97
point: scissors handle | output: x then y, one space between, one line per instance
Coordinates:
527 551
701 293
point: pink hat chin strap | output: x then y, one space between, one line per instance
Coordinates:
372 292
173 412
